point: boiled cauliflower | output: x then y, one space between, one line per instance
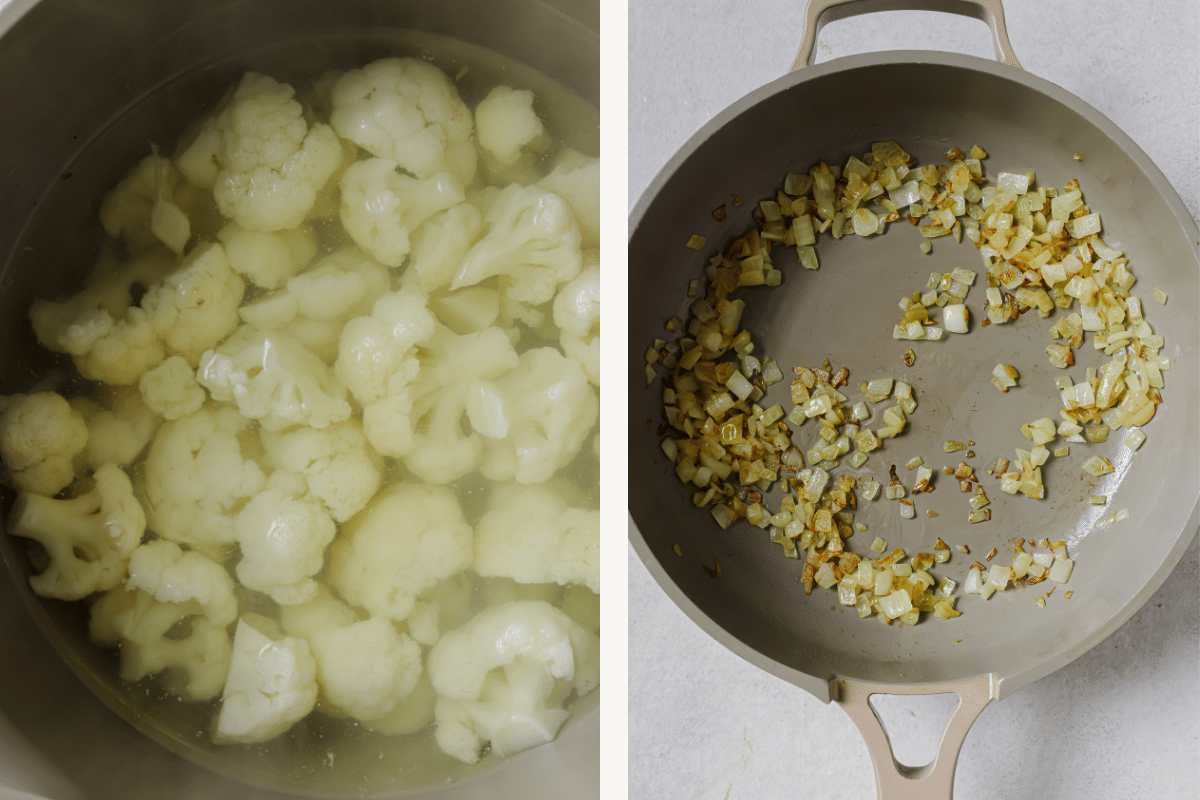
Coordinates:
440 244
577 315
536 417
88 538
441 452
263 161
268 259
169 574
576 178
315 305
119 426
271 686
141 208
531 242
338 466
378 362
282 534
408 111
195 306
367 667
274 379
531 535
505 123
40 436
196 479
108 338
381 206
194 666
170 389
383 566
503 676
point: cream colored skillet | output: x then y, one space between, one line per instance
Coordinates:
845 312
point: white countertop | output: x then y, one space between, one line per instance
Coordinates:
1123 720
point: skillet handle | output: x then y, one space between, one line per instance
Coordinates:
894 781
820 12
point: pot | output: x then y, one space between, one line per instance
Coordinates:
928 102
84 87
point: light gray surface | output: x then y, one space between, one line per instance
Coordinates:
1120 721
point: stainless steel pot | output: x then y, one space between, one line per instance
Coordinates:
928 102
83 87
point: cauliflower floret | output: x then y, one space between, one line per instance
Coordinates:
270 687
531 241
382 566
171 390
194 665
406 110
366 668
109 338
40 435
529 534
468 310
268 259
576 178
263 162
411 714
195 306
537 416
274 379
440 451
141 209
316 304
88 538
577 315
339 467
170 574
505 122
119 426
283 535
440 244
502 677
322 612
381 207
196 479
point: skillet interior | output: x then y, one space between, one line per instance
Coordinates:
845 311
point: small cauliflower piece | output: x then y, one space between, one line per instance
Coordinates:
268 259
339 466
196 478
576 178
439 245
262 160
88 538
505 122
283 533
503 676
119 427
40 436
274 379
440 451
195 306
193 666
170 574
577 315
366 668
382 566
270 687
530 534
381 206
108 338
406 110
536 416
141 209
531 241
171 390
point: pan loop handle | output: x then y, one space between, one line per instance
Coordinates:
893 780
820 12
